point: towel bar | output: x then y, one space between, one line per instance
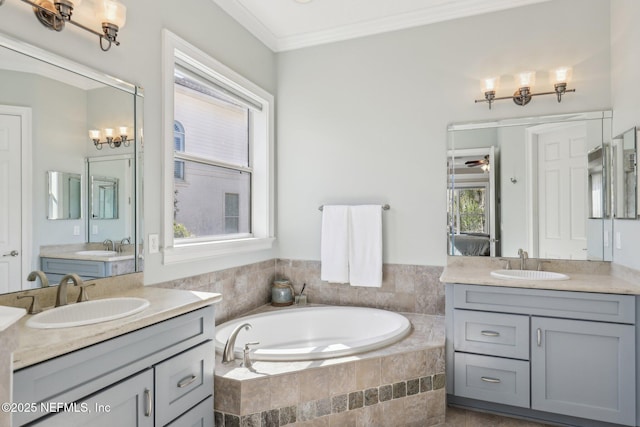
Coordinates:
385 207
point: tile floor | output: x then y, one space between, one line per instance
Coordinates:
462 418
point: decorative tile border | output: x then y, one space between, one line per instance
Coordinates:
339 404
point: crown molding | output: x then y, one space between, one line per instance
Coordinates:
428 15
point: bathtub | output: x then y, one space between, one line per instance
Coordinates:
313 333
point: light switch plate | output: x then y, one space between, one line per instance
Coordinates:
154 243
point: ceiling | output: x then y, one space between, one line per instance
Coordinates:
292 24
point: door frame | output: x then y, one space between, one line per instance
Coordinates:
26 191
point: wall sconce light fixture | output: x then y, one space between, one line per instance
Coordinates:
526 80
54 14
113 142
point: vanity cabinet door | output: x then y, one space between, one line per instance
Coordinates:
126 404
583 369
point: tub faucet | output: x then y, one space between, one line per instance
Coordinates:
61 296
523 258
228 354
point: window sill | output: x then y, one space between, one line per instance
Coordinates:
204 250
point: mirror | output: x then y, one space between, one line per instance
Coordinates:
64 196
537 183
625 174
91 193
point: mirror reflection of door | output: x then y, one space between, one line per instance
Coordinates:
14 139
559 197
104 197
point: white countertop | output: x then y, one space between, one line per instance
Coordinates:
587 277
9 316
37 345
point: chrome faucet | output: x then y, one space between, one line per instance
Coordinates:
109 245
61 296
44 281
523 258
228 354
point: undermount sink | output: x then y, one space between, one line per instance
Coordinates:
97 253
528 275
87 313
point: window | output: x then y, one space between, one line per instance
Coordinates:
219 200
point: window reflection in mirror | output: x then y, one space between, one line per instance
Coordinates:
64 196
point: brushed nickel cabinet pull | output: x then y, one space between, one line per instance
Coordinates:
186 381
539 337
490 333
148 403
490 380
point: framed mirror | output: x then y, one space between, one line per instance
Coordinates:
625 174
538 183
64 195
48 106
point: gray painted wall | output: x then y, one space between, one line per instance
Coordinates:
365 120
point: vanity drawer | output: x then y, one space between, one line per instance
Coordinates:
495 334
84 268
201 415
573 305
492 379
183 381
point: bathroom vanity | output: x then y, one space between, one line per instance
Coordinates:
154 368
556 351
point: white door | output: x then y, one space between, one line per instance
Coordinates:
562 189
10 203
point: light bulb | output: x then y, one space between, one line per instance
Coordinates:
526 79
112 12
94 134
108 133
562 74
123 130
490 84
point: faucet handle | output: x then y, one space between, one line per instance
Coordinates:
34 307
507 265
83 293
246 360
540 262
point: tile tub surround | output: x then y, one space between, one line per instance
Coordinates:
243 288
405 288
402 384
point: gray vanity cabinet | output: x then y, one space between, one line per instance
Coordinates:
584 369
566 357
156 376
127 403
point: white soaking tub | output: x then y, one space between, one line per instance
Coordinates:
312 333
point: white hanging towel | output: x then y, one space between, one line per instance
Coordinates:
334 244
365 246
